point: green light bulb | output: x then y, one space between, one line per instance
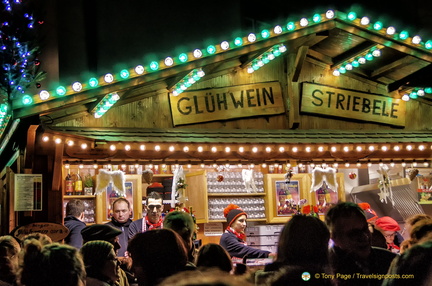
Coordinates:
291 26
183 57
27 99
355 64
413 95
316 18
369 57
403 35
61 90
265 34
342 70
238 41
378 25
154 66
211 49
428 89
3 107
93 82
352 16
124 74
428 44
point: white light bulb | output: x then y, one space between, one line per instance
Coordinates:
304 22
76 86
108 78
365 21
139 69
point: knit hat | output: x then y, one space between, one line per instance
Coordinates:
387 223
370 213
232 212
99 232
95 253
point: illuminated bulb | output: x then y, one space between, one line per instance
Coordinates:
409 147
202 165
335 165
264 165
169 61
108 78
416 40
254 149
330 14
420 92
214 149
250 69
359 148
369 164
142 147
294 149
224 45
365 21
150 166
333 149
376 53
358 164
381 164
112 147
346 149
44 95
251 38
127 147
308 149
426 164
396 148
109 166
70 143
347 164
336 73
348 67
321 148
239 165
414 164
57 140
281 149
324 165
185 149
384 148
241 149
157 148
288 165
197 53
76 86
391 30
304 22
171 148
405 97
403 164
371 148
67 166
84 146
300 165
268 149
227 149
312 165
189 166
45 139
95 166
392 164
277 30
362 60
139 69
252 165
136 166
123 166
421 147
200 149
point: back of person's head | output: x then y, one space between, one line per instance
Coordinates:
182 223
304 241
421 231
343 210
213 255
51 265
75 207
9 249
157 254
95 254
212 277
416 218
413 267
9 242
41 237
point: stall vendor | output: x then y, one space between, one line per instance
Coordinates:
234 237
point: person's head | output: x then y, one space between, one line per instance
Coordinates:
349 229
211 277
156 254
388 227
102 232
41 237
154 205
421 231
9 249
410 221
121 210
304 241
236 217
100 260
213 255
75 208
51 265
182 223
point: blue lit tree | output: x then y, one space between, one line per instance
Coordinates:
20 67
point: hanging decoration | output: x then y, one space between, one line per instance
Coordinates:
248 180
321 176
117 178
288 176
178 187
384 185
147 176
352 175
220 169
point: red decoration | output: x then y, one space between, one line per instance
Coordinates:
220 178
352 175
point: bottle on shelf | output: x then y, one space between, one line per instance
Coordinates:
68 184
78 184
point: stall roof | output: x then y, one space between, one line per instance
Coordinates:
331 42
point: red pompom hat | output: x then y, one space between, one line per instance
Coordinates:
369 212
232 212
387 223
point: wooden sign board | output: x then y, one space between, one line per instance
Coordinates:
227 103
321 99
55 231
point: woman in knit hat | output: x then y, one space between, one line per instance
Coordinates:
100 263
234 238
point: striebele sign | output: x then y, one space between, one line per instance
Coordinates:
227 103
337 102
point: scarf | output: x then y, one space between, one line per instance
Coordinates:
393 247
239 235
150 225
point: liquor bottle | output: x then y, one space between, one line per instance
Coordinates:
78 184
68 184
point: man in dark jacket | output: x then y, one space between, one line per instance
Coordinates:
121 213
74 222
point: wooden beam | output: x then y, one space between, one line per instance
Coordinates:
320 57
30 147
293 94
387 69
352 53
57 168
299 61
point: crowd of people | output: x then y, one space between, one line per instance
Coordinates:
155 251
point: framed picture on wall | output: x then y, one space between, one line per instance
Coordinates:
283 197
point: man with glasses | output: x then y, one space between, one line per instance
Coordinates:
153 217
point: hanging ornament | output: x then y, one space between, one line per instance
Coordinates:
220 178
352 175
288 176
384 185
